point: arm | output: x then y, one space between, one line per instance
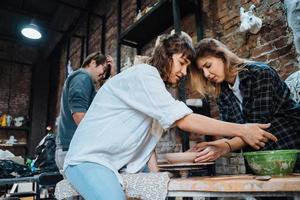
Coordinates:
233 144
269 104
78 116
252 134
79 98
211 151
152 163
208 126
236 143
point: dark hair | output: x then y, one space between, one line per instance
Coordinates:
167 46
97 56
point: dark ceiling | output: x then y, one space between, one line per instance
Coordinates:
56 18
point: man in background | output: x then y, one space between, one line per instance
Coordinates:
77 95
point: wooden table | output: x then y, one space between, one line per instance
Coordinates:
234 186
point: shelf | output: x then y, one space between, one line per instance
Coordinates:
154 22
14 145
23 128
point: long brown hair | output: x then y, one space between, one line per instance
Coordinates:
167 46
212 47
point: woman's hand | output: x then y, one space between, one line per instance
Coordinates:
255 136
210 151
110 61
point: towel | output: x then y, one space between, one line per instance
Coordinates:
144 186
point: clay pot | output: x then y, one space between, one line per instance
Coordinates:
182 157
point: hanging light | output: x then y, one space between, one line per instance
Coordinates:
31 31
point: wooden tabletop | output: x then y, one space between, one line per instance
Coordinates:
238 183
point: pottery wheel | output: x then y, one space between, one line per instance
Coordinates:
183 165
182 168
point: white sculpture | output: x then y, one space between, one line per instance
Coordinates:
11 140
19 121
249 22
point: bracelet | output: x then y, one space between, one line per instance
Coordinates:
229 145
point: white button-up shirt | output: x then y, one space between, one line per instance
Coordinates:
115 131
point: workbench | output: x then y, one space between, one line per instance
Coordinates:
234 186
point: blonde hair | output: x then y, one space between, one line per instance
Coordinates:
212 47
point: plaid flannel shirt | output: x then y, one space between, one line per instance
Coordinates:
266 99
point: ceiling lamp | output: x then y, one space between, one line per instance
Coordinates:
31 31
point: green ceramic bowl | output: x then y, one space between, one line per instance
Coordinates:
277 162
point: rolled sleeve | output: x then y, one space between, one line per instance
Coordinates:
177 111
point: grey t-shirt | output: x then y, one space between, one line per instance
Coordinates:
78 93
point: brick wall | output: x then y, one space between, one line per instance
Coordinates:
272 44
15 78
15 87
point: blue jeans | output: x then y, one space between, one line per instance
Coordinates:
94 182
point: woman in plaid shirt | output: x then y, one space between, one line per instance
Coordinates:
246 92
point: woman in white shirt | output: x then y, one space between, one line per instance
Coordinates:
115 132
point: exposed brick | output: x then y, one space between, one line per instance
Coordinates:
262 58
221 2
260 50
280 52
287 58
273 35
289 69
222 14
229 24
282 41
274 63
